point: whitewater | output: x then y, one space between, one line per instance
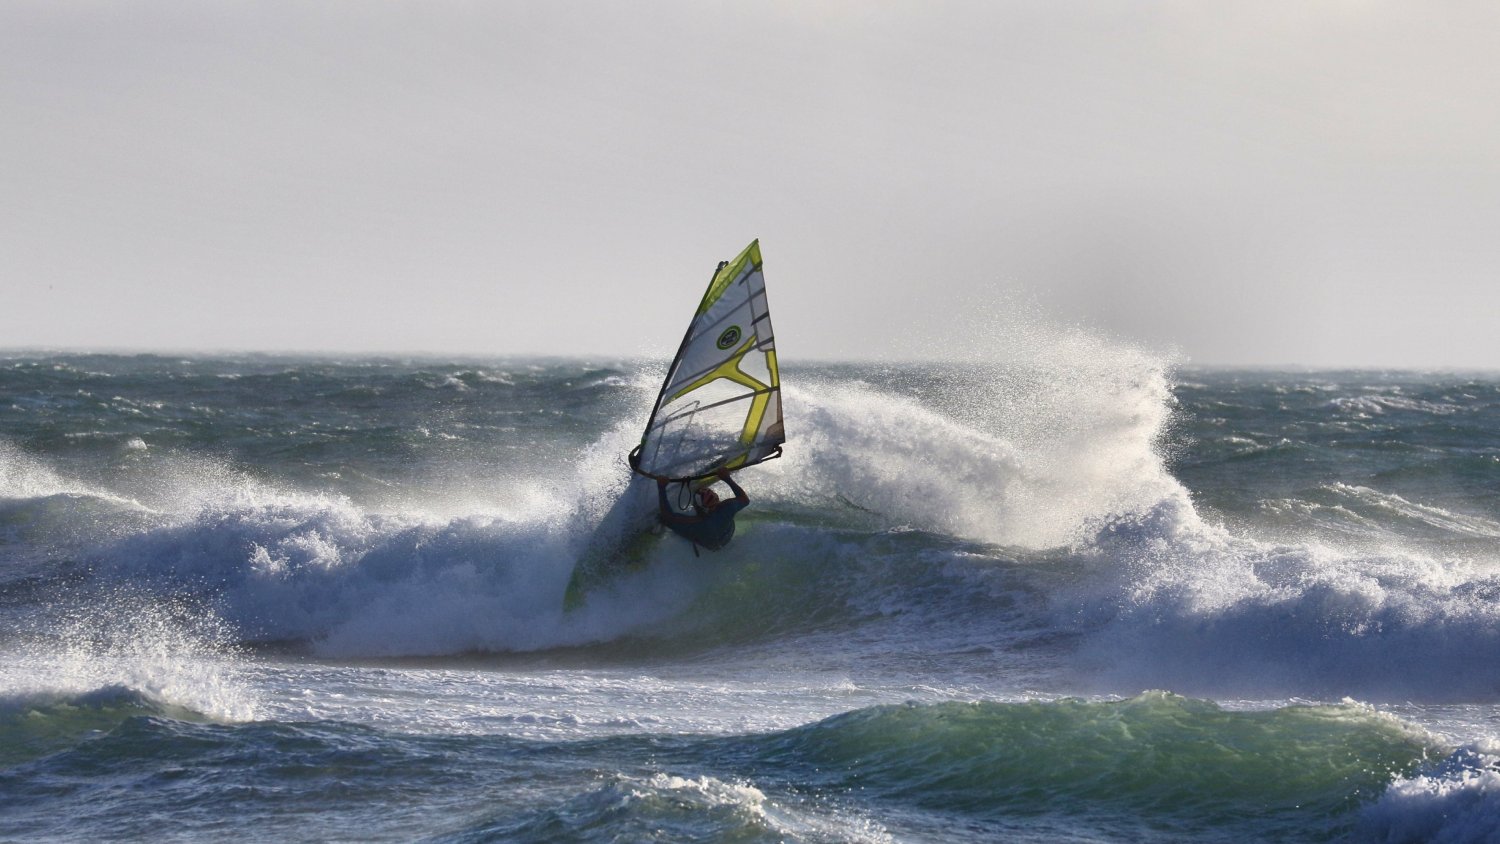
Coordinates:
1081 594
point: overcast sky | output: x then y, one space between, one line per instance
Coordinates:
1295 182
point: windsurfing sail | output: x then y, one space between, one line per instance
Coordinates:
720 405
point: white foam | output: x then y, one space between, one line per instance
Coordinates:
1192 607
174 656
1365 407
711 795
1454 802
290 565
1426 514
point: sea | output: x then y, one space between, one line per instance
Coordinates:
1084 592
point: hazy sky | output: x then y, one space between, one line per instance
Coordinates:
1249 182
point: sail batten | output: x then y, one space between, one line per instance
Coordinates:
720 404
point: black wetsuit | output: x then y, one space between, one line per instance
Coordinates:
712 530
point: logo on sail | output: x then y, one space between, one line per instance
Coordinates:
730 337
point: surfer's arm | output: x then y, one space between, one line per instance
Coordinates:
739 493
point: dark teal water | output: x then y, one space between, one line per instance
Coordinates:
1084 597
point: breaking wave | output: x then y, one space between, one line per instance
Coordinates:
1036 498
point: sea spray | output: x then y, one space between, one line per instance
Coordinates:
134 648
1035 452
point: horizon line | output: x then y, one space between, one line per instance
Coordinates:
1168 363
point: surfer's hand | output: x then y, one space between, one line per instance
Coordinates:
661 483
723 472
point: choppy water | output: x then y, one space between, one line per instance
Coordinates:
1079 597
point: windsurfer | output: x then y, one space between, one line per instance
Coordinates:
711 524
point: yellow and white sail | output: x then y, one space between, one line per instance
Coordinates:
720 405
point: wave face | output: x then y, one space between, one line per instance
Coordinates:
1156 759
207 544
1154 766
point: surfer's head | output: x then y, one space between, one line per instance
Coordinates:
707 498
